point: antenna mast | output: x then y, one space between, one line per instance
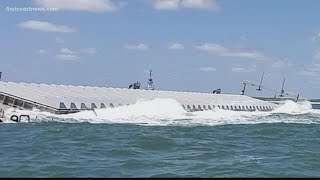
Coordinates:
150 82
259 88
282 90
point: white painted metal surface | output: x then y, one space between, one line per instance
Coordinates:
54 95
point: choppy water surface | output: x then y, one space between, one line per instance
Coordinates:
159 139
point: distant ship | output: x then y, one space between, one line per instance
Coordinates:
64 99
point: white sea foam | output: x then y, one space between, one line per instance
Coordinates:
165 112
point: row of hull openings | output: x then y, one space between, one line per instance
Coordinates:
187 107
228 107
21 104
6 100
28 105
92 106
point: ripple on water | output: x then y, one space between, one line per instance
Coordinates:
154 143
124 150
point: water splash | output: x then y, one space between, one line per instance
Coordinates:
294 108
164 112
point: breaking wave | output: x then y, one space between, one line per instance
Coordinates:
164 112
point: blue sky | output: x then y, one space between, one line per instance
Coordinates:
191 45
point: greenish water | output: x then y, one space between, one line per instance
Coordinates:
144 140
124 150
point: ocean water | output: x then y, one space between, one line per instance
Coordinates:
160 139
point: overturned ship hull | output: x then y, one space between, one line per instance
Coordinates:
64 99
